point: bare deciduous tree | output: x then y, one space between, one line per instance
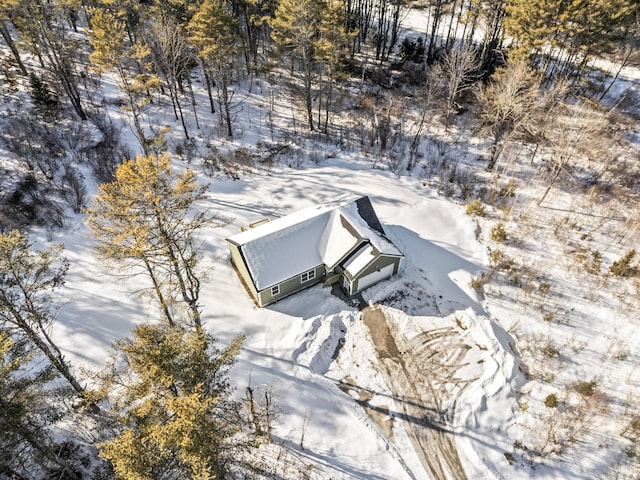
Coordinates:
461 67
579 133
506 104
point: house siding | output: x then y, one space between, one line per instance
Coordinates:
238 262
289 286
378 264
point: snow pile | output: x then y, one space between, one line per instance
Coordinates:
486 410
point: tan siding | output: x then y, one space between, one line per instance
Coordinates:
243 272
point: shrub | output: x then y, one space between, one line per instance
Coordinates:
496 257
623 267
502 261
549 316
551 401
550 350
586 388
596 262
634 425
476 208
476 283
509 189
631 451
498 233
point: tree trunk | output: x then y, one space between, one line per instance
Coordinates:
227 106
174 96
308 92
434 29
496 149
207 80
4 31
44 344
158 291
193 102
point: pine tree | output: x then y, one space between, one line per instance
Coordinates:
568 34
331 48
42 30
27 449
214 33
112 50
534 24
294 29
46 103
27 280
171 404
312 34
145 219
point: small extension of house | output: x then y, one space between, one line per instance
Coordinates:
341 241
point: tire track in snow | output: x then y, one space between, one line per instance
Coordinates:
421 373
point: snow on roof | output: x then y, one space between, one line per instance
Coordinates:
337 240
301 241
360 260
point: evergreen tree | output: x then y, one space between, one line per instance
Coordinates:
312 34
534 25
294 29
27 450
43 30
331 48
214 32
145 219
112 50
169 396
568 34
46 103
27 280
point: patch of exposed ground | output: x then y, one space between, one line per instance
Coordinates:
380 414
421 372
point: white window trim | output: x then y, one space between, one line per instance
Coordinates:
275 290
307 276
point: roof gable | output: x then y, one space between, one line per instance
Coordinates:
325 234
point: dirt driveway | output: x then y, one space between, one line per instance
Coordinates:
421 372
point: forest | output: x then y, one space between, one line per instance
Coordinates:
504 106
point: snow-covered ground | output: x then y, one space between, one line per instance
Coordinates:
290 346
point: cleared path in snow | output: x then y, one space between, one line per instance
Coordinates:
421 374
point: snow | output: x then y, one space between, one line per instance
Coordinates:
360 260
335 241
291 346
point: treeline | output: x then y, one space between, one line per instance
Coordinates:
157 51
153 47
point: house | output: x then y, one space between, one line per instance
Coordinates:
339 241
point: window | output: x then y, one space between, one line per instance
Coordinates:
275 290
306 276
